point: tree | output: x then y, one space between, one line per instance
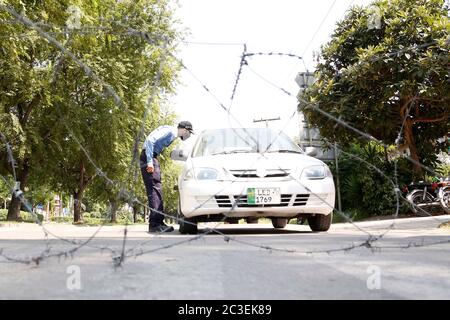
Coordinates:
99 133
128 185
77 121
24 93
5 192
387 66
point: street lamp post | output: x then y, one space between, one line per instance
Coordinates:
304 80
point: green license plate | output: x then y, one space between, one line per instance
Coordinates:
263 196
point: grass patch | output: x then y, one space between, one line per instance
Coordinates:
24 216
354 215
92 222
88 219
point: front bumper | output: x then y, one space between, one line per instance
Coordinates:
228 198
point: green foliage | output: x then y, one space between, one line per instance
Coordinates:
444 170
170 173
370 76
5 192
49 105
364 191
62 219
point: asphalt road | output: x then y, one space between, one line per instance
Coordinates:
246 262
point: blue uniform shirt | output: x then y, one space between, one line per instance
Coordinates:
157 140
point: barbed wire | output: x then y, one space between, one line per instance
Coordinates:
241 65
395 184
340 121
39 258
320 26
119 258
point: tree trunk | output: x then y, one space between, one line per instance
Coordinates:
113 206
146 217
14 209
14 206
47 211
135 213
78 195
77 215
411 143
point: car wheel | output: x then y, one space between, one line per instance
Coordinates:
279 223
188 226
320 222
252 220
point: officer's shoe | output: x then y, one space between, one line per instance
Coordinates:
160 228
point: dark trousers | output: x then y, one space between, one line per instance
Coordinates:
153 187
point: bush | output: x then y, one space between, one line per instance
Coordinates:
96 214
444 169
62 219
364 190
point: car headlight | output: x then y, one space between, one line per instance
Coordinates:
202 174
316 172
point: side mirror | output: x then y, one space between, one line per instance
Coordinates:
178 155
311 151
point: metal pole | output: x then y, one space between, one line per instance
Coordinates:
338 189
266 120
309 135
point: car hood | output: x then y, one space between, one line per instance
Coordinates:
246 161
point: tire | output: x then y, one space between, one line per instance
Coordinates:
416 197
279 223
320 222
252 220
187 226
444 196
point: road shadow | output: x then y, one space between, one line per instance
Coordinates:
247 231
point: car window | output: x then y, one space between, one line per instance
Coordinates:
251 140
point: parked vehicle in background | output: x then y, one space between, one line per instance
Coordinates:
252 173
424 197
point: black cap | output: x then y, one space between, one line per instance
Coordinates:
186 125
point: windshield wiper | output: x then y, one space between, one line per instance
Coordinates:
230 152
284 151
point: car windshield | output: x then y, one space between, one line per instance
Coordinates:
251 140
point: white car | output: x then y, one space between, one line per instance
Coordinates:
252 173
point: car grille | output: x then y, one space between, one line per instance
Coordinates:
270 173
224 201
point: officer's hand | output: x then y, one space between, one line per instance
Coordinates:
150 169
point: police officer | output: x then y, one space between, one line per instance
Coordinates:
154 144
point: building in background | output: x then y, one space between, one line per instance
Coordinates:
309 136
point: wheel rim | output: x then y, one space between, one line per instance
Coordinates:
417 199
445 200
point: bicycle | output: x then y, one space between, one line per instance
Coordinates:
426 196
